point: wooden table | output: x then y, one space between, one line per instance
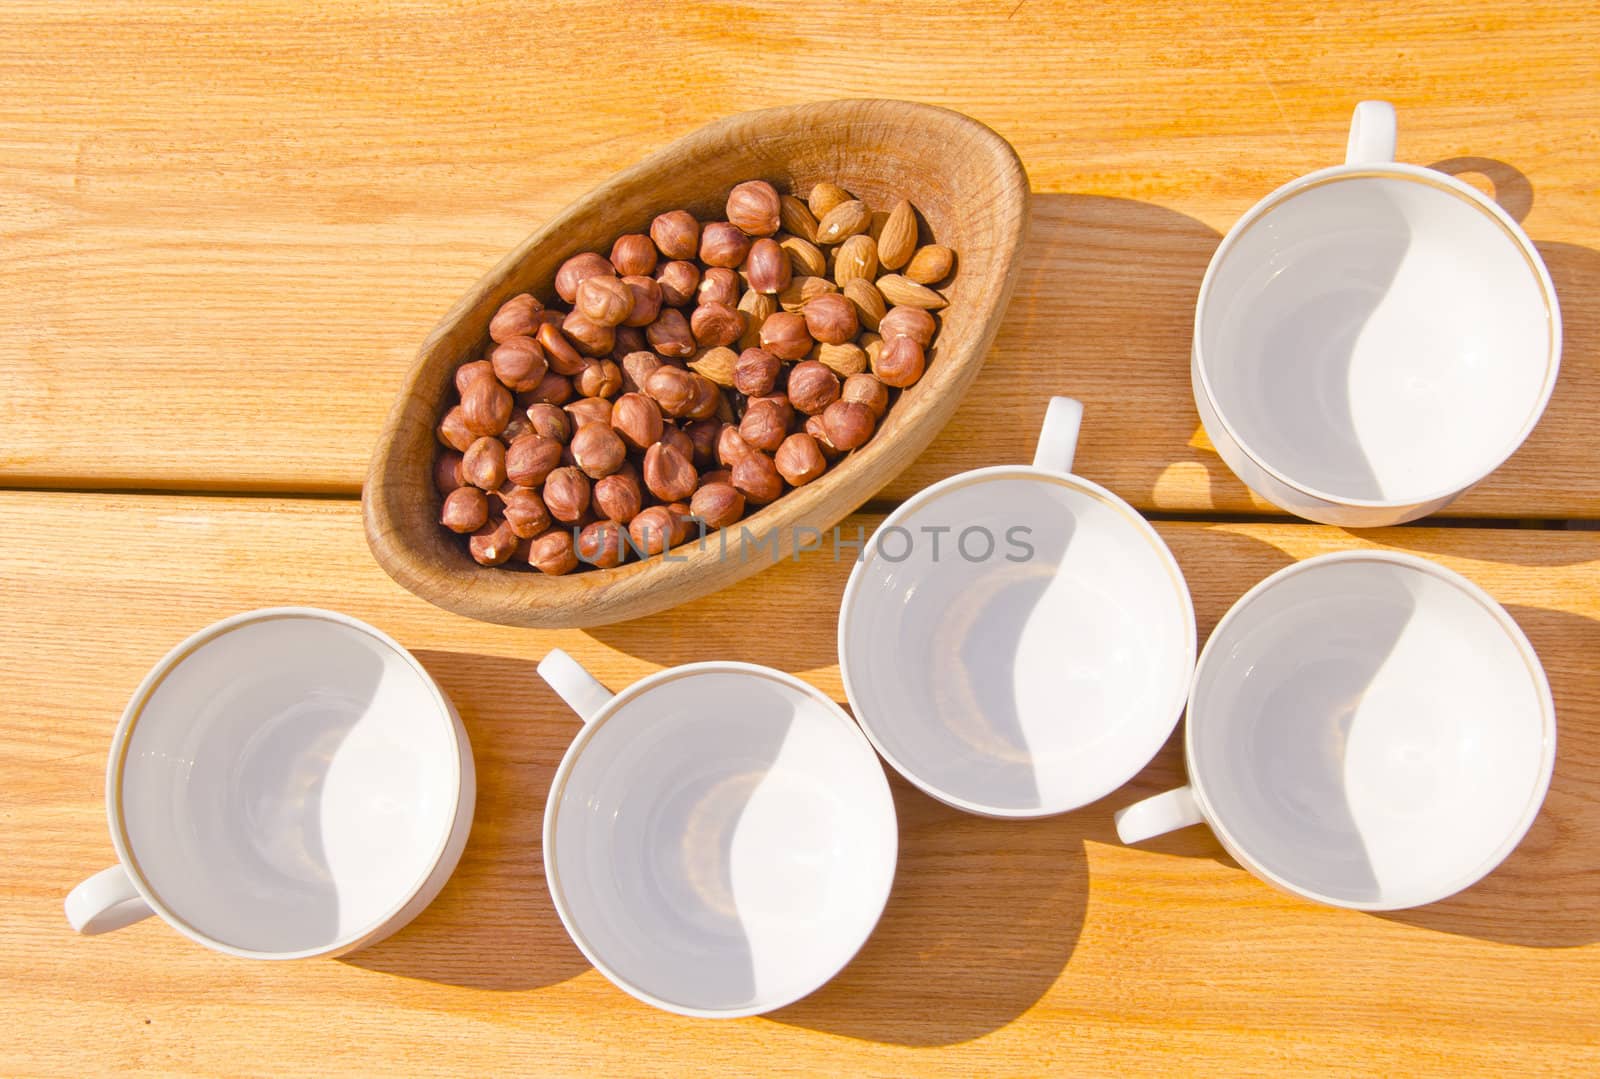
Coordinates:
223 231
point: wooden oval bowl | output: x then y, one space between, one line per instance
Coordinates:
973 194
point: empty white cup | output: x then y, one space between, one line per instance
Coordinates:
285 783
1017 641
1372 339
719 839
1366 729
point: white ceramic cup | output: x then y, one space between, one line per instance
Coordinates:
1017 641
286 783
1366 729
719 839
1373 339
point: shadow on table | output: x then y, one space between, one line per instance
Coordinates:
493 926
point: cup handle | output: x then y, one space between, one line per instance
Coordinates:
106 901
1058 438
1158 815
581 690
1371 134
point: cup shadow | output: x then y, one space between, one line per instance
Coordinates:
493 925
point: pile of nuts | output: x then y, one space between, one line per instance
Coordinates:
702 369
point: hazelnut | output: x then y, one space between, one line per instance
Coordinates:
605 301
651 530
588 410
676 234
672 388
516 426
600 544
867 390
765 424
768 266
831 318
754 206
562 357
670 335
682 521
469 374
515 318
677 438
637 420
552 553
756 372
576 269
799 460
715 324
591 338
618 497
757 478
634 253
719 285
912 322
453 430
598 450
816 429
848 424
519 363
631 338
566 494
466 509
646 303
668 473
531 458
723 244
553 389
678 281
730 445
548 420
637 367
525 512
486 407
492 544
703 436
718 504
484 464
447 472
784 334
599 378
812 387
716 475
900 363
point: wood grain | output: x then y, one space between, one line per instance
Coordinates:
976 201
222 241
1007 947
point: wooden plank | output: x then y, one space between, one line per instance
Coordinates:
224 239
1007 948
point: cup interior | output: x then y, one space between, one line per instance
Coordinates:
723 840
287 784
1017 642
1370 731
1377 336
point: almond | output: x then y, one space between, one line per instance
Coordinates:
898 241
902 291
870 306
802 289
716 364
806 257
856 259
843 360
825 197
797 218
844 221
930 264
756 306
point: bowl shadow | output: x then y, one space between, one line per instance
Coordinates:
493 925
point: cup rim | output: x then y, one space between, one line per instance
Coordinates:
1507 624
1033 473
117 763
1413 173
580 742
